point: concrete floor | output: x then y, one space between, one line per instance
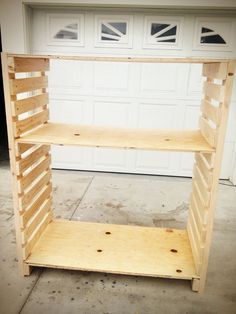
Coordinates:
123 199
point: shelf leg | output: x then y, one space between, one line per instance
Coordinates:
26 269
196 285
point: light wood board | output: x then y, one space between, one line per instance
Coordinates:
94 136
124 59
129 250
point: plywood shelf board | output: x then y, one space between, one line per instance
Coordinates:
95 136
122 59
113 248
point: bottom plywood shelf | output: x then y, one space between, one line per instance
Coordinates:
120 249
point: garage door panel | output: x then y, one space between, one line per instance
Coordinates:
74 113
115 160
118 113
194 87
111 76
156 115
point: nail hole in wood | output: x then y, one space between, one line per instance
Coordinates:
108 232
76 134
173 250
230 74
167 139
99 251
178 270
169 230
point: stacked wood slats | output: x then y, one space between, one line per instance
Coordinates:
31 173
214 112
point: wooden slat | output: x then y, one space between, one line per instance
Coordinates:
36 220
30 103
28 124
201 184
215 70
28 84
22 148
24 163
27 198
195 252
25 181
200 203
208 159
29 213
214 91
208 132
196 235
198 219
18 65
37 234
206 173
211 112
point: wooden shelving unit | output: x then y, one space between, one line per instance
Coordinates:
158 252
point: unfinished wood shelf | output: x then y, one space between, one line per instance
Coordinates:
130 250
44 241
81 135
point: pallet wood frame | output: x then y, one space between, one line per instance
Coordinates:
30 135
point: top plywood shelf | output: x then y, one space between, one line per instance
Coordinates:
123 59
95 136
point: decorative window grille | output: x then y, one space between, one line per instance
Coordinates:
163 32
65 29
113 31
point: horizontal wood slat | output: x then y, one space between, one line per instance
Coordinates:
28 124
19 65
24 163
30 103
36 235
196 234
215 70
208 160
27 198
211 112
198 219
210 134
22 148
200 203
201 184
36 220
29 213
28 84
195 251
214 91
25 181
206 173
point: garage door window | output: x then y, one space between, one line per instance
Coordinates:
113 31
163 32
213 34
65 29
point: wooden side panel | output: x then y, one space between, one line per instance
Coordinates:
207 168
30 163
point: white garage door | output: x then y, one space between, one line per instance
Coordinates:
130 95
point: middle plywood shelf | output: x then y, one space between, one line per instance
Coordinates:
131 250
95 136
